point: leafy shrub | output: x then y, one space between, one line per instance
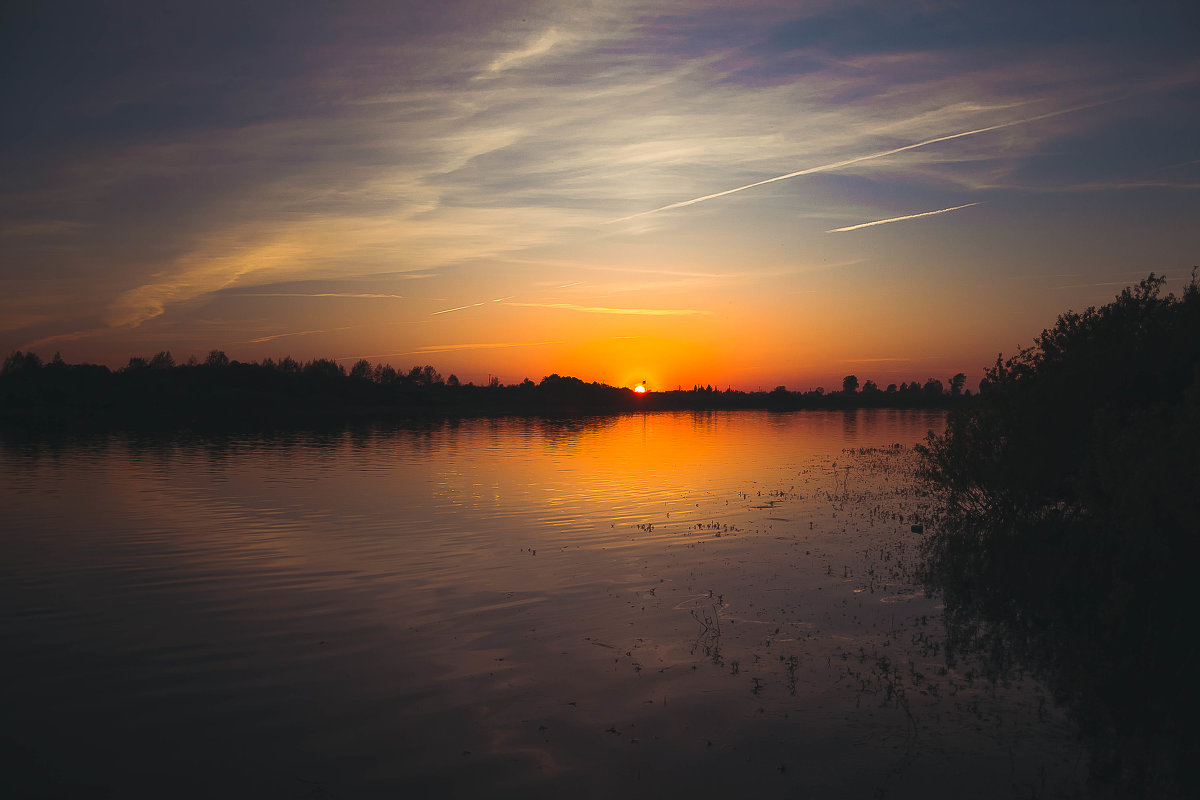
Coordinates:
1070 533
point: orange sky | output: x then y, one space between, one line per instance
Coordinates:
676 192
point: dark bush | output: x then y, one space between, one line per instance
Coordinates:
1071 527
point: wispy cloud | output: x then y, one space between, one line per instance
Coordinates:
448 348
356 295
874 360
899 219
487 153
645 312
856 160
65 337
442 348
275 336
486 169
539 46
675 273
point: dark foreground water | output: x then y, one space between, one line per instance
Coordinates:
669 605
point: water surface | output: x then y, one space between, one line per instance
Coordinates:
687 603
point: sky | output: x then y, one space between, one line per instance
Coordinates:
742 194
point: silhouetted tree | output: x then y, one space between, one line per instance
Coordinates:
384 374
850 384
324 368
162 360
452 380
20 362
956 384
223 391
1070 533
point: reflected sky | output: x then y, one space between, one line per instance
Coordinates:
660 602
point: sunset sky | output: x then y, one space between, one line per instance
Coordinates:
744 194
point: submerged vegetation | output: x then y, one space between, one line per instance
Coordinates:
218 392
1071 532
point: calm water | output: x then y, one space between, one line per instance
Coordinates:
663 605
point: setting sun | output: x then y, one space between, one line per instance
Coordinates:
640 389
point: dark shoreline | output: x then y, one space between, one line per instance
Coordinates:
253 397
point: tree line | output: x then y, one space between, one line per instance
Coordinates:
157 391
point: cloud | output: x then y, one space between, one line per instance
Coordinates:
898 219
855 160
200 273
442 348
308 249
873 360
647 312
65 337
675 273
496 144
447 348
539 46
293 333
354 295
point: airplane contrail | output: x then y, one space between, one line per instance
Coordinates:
857 159
275 336
648 312
456 308
898 219
360 295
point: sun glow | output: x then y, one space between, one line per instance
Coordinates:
640 389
